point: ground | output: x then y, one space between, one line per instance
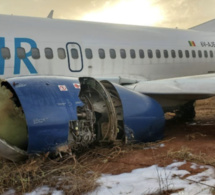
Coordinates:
78 173
193 142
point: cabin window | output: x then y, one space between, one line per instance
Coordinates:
165 53
141 53
21 52
61 53
206 54
102 53
48 53
187 54
200 53
173 53
89 53
211 54
74 53
112 53
180 54
158 53
150 53
132 53
5 53
193 53
35 53
122 53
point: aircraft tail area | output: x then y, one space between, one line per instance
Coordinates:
207 26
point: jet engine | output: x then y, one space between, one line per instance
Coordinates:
49 114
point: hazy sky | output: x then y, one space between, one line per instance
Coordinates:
166 13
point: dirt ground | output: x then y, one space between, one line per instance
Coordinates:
193 142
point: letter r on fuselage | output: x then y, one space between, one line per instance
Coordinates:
2 61
27 62
17 61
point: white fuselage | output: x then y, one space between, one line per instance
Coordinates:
136 52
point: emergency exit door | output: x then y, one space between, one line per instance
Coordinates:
75 58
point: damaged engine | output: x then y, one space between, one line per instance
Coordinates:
47 113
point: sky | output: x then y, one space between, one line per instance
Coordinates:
163 13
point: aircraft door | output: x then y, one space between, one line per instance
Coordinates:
75 58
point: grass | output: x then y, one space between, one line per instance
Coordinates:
67 174
71 173
185 153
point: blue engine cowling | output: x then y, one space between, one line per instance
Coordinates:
62 111
143 116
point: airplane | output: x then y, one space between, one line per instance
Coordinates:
67 84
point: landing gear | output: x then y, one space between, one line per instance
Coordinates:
186 112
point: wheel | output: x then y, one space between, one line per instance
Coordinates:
186 112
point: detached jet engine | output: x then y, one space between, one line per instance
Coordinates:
42 114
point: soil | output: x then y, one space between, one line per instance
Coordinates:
193 142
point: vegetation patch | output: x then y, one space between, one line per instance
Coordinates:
70 173
67 173
186 153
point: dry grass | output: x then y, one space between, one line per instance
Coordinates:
72 174
60 173
185 153
66 174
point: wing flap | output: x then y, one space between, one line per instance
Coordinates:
201 84
171 93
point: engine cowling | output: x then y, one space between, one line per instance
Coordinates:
41 114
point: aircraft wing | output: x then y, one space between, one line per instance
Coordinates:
177 91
